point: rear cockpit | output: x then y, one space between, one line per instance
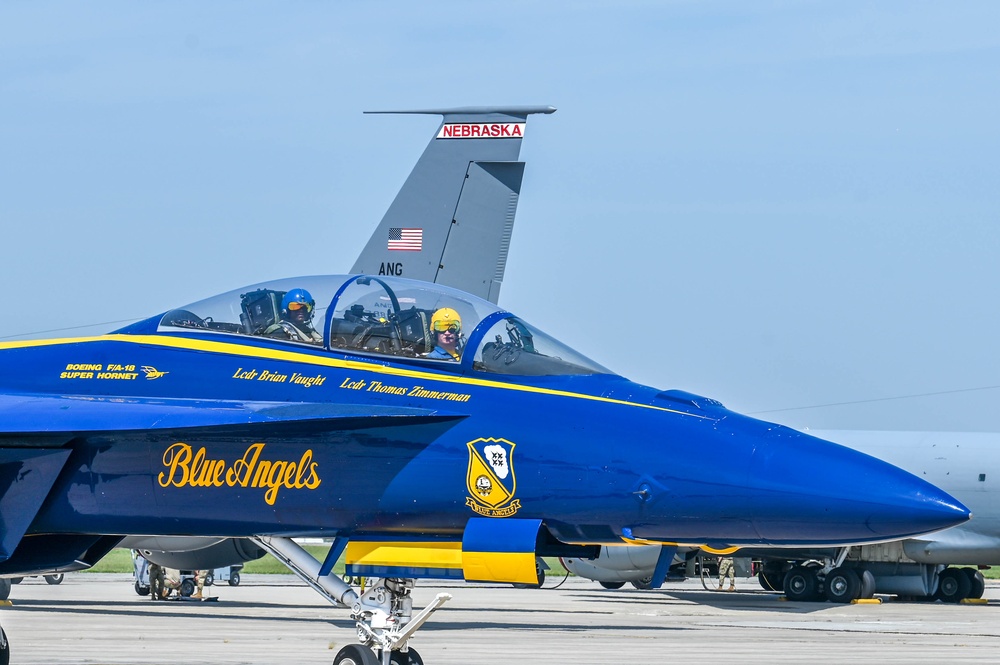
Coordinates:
384 317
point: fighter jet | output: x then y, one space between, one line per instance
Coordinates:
431 433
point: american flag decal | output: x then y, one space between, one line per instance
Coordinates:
406 240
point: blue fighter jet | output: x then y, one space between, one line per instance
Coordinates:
430 432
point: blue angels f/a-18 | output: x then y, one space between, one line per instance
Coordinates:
429 431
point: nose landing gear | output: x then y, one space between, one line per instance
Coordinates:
385 625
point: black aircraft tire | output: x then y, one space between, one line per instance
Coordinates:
141 590
867 585
612 585
842 585
4 648
953 585
801 584
643 584
54 579
209 578
356 654
769 581
234 579
977 584
4 588
187 588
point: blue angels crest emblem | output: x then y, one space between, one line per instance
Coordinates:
490 478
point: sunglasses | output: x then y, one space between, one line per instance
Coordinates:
445 326
296 306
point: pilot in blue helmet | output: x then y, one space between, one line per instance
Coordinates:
295 324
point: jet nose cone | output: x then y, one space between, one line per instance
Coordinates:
852 497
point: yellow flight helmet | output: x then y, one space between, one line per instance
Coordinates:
446 318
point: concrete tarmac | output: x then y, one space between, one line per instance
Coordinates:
98 618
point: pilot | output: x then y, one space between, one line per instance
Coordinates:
296 319
447 327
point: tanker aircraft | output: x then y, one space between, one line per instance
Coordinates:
431 433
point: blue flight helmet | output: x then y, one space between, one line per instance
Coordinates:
298 305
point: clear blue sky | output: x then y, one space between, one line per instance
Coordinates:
776 204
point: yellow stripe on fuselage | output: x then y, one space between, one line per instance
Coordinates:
515 567
230 348
442 555
475 566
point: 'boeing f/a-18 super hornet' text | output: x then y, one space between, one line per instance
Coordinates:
430 432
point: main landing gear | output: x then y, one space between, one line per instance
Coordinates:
837 584
957 584
843 582
817 580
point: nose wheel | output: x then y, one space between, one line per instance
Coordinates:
358 654
385 624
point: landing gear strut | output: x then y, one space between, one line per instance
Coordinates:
385 623
383 614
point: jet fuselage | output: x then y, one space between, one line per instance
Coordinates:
182 430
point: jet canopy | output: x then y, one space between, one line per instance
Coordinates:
384 317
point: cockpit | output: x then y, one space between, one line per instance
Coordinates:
384 317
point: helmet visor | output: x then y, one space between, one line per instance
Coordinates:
447 326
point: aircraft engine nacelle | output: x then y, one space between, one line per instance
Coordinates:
226 552
617 564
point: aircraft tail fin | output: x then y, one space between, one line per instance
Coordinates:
452 220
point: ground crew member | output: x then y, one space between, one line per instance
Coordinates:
727 568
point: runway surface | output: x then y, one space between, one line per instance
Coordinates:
98 618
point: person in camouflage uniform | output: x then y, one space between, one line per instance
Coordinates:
727 568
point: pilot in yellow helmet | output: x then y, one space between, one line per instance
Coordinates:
446 325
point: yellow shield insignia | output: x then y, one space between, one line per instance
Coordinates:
490 478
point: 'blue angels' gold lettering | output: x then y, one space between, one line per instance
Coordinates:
187 467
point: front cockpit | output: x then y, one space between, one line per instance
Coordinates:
384 317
